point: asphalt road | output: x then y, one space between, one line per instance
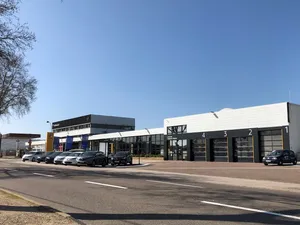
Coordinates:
134 198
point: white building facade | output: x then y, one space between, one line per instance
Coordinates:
229 135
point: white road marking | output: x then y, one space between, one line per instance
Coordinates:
44 175
252 210
106 185
171 183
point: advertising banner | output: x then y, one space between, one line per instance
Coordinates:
69 143
84 141
56 143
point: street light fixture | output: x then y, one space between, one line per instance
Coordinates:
214 114
49 124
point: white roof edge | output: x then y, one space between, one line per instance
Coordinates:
242 108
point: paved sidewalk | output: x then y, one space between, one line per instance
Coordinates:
15 210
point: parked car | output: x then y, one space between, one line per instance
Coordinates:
280 157
92 158
60 158
122 157
71 159
31 156
41 158
50 158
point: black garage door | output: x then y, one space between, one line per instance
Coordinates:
268 141
242 149
198 149
219 150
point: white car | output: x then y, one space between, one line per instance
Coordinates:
71 159
60 158
31 156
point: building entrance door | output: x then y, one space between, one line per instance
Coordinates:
177 149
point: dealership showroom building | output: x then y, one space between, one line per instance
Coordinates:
228 135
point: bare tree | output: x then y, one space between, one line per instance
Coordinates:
17 87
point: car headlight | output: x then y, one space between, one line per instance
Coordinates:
264 158
274 158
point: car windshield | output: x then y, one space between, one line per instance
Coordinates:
75 154
89 154
65 154
275 153
48 153
121 154
55 154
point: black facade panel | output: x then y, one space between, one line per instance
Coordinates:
255 143
189 152
208 152
286 137
166 146
72 122
230 149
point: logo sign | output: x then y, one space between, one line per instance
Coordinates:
69 143
84 141
56 143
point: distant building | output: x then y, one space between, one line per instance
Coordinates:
12 142
92 124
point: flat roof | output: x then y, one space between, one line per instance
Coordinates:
21 135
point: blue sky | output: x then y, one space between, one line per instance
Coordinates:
156 59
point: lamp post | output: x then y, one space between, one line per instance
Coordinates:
50 125
0 145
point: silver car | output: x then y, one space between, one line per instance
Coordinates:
71 159
31 156
60 158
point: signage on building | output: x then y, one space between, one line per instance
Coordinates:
49 141
56 143
84 141
69 143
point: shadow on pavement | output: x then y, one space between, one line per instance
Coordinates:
241 218
41 209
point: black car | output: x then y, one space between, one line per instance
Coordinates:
279 157
92 158
41 158
121 157
50 158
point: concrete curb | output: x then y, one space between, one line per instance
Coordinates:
53 210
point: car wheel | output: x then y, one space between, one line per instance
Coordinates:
103 163
266 164
280 163
33 160
38 161
93 163
23 160
295 162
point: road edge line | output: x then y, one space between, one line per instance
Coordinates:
252 210
51 209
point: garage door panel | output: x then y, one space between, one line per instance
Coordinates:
219 149
269 141
199 149
243 149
